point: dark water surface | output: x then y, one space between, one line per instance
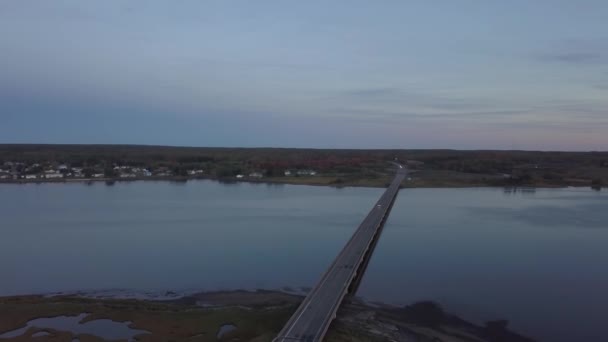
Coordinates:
538 258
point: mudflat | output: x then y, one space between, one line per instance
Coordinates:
256 315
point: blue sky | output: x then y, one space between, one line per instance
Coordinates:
338 74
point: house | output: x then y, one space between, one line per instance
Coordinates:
256 175
31 176
62 167
163 172
52 175
287 173
146 173
306 172
239 176
128 175
98 175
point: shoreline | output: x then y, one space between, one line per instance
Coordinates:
434 168
256 315
360 183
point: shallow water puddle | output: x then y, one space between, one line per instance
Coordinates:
224 329
104 328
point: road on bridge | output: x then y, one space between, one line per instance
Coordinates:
312 318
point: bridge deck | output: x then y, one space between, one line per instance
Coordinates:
312 318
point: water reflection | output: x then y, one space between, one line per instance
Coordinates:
224 329
588 215
103 328
228 181
519 190
40 334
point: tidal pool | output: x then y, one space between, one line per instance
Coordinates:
103 328
224 329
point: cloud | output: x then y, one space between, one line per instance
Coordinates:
408 96
394 105
601 86
374 92
402 117
579 52
575 110
578 57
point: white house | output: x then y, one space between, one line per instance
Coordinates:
50 175
287 173
195 172
256 175
306 172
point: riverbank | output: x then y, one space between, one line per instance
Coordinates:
323 167
250 316
417 180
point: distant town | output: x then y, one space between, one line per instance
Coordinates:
11 170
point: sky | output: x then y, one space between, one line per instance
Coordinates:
468 74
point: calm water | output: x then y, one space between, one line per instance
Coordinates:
103 328
539 259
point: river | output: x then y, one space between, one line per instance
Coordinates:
535 257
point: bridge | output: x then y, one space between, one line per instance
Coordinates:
312 318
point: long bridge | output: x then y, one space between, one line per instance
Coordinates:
312 318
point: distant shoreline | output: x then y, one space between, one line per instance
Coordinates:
320 181
318 167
